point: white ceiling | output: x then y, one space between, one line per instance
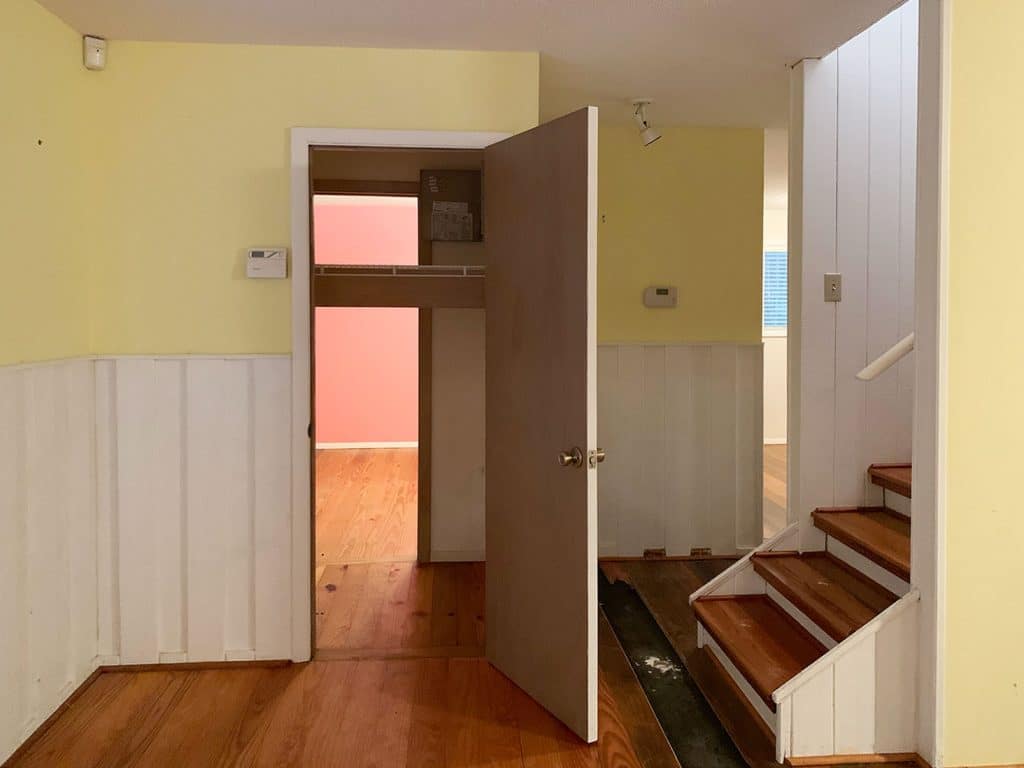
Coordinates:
718 62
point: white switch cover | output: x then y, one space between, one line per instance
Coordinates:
267 262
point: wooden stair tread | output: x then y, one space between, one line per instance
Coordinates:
767 646
835 596
892 477
877 533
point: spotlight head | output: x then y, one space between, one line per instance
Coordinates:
647 134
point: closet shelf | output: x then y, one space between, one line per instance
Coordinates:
427 286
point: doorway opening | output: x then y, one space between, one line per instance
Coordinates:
396 336
367 391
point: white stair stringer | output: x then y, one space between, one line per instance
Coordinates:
860 697
740 578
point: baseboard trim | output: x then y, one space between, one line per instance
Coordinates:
366 446
457 556
829 760
775 440
44 726
197 666
361 654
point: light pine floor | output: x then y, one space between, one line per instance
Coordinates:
374 610
365 505
774 489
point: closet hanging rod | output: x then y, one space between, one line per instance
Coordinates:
396 270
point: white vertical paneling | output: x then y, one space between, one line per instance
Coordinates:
637 524
13 563
855 700
853 193
812 716
48 544
723 449
749 452
271 514
217 522
908 212
46 551
681 500
896 697
609 482
702 387
682 425
852 225
650 436
882 439
108 620
149 493
79 500
812 321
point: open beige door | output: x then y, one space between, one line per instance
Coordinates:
540 216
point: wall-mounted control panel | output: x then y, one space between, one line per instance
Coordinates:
267 262
660 296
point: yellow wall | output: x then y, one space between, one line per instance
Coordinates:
43 293
984 642
195 168
686 211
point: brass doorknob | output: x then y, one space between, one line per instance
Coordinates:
596 456
571 458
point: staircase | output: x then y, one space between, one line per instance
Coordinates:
822 644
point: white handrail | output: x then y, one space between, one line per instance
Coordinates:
887 359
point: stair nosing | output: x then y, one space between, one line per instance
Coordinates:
896 486
805 606
739 664
889 564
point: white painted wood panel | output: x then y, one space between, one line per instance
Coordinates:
193 496
48 544
458 435
219 539
271 519
854 191
812 322
682 428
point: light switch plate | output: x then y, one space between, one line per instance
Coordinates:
833 286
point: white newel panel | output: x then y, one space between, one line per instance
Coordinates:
682 426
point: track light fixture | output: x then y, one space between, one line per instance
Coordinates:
647 134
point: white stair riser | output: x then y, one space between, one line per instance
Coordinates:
800 617
897 502
869 568
705 640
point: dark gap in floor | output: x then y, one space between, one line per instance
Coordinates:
693 730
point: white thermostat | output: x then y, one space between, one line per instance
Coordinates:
267 262
660 296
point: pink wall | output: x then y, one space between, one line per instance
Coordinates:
367 371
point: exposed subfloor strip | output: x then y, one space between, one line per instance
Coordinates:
693 730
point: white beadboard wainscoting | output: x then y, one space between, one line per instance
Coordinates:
682 427
48 541
194 459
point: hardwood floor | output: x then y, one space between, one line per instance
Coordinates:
365 505
664 586
774 489
374 610
382 713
